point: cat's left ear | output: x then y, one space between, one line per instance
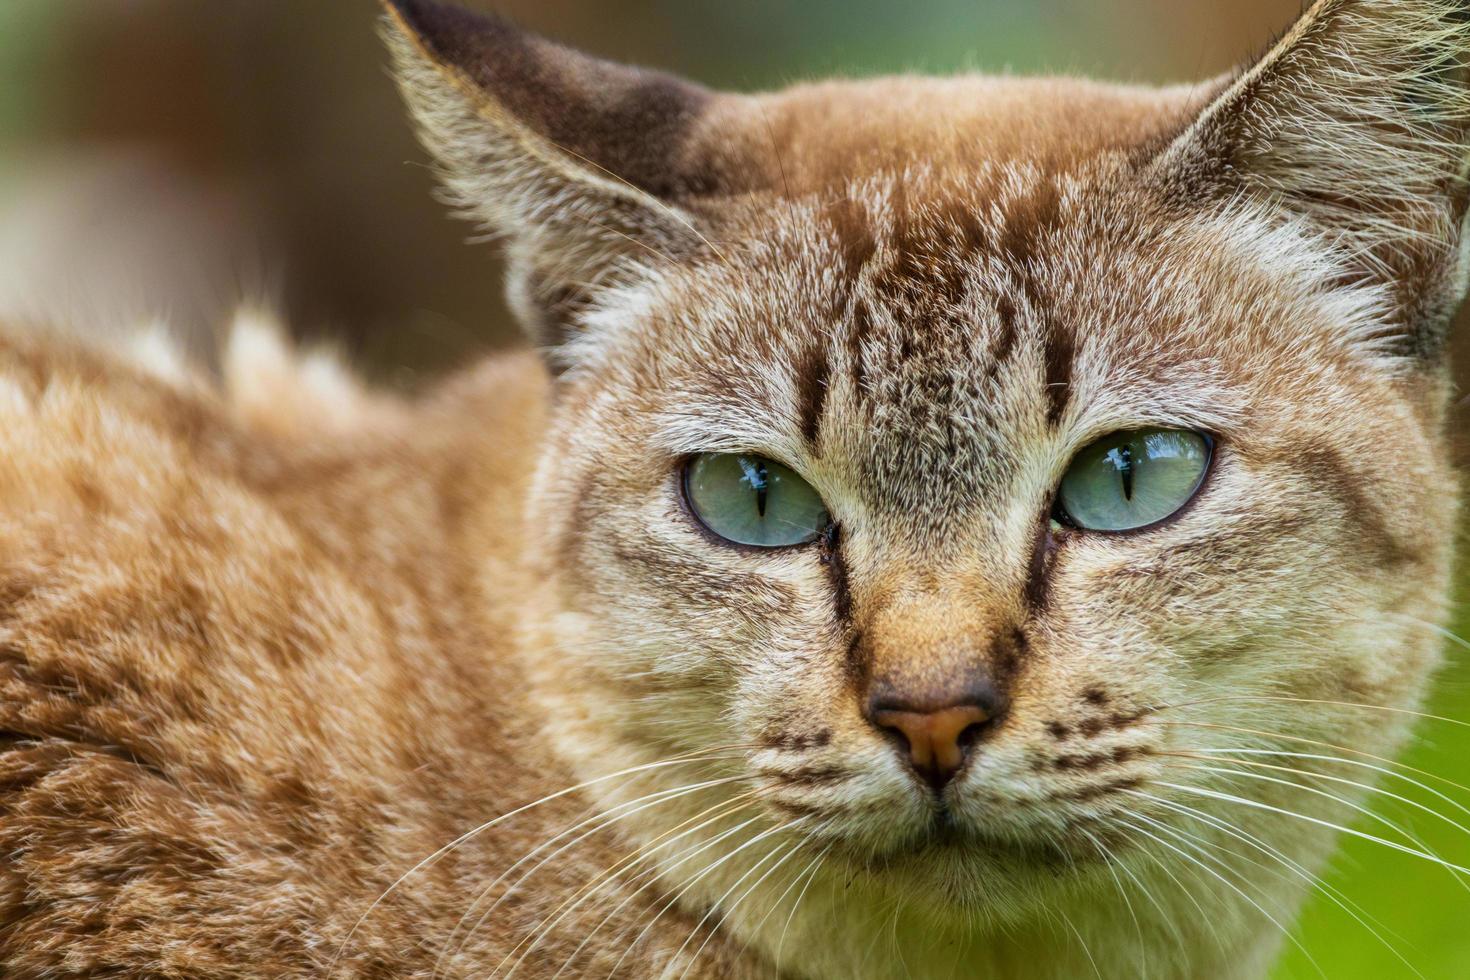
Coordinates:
1358 122
581 166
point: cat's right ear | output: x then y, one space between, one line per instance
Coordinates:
1356 125
579 164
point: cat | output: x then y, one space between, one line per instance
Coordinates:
953 527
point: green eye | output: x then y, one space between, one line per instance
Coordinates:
1133 479
753 501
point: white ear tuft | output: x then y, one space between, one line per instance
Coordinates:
1358 120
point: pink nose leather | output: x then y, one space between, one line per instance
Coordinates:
934 737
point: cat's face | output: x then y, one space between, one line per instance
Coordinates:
927 312
906 365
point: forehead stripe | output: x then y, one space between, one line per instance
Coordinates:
1058 354
812 377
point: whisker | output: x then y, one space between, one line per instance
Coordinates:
641 854
1356 807
1109 860
790 849
1335 895
899 904
1211 755
1381 770
468 835
812 871
1365 811
1223 880
1265 848
811 835
689 885
1258 805
1339 704
1086 949
1200 844
1211 850
1448 634
538 935
1300 740
1204 917
603 819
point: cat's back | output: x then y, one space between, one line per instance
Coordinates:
239 634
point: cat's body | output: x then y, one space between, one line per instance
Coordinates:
271 649
233 720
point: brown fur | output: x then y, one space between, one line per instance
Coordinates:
274 650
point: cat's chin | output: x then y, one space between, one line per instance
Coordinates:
959 886
965 867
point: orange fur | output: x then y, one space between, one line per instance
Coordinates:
300 679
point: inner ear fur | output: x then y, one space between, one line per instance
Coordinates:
1356 121
578 163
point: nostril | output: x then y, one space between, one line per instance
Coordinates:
973 733
937 742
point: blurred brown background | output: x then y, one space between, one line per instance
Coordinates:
178 156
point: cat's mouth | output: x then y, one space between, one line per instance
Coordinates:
949 838
947 842
956 868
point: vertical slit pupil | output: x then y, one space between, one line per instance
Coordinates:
1122 460
756 476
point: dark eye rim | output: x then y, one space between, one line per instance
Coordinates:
681 483
1212 454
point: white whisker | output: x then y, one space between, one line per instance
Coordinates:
601 819
1356 807
790 849
812 870
1333 894
1381 770
470 834
667 905
1407 712
1256 804
537 936
726 809
1225 881
1110 862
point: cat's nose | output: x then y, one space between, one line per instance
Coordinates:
938 741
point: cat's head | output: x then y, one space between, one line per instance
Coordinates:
962 463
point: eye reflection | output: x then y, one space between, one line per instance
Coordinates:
1130 480
751 500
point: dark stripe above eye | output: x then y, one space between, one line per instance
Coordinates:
1005 343
1029 222
812 378
1038 578
1058 353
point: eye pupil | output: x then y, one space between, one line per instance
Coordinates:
1132 480
1122 458
757 477
754 501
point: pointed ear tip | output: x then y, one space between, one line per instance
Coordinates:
410 11
429 20
401 17
402 12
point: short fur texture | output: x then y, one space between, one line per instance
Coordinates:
297 679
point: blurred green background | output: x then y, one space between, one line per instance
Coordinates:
175 157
